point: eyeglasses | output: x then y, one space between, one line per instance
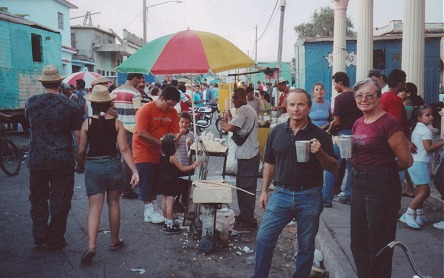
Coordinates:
367 97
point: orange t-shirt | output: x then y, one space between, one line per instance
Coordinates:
151 119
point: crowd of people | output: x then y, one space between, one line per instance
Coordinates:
137 136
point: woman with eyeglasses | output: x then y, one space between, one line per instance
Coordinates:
380 149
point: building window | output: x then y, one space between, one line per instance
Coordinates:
60 19
36 41
379 61
73 40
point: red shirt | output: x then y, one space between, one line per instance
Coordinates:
370 141
393 105
184 106
158 123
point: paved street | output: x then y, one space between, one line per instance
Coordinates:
148 248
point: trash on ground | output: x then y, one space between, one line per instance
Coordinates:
250 260
140 270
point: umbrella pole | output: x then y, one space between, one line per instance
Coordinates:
193 110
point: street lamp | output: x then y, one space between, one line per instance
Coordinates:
145 13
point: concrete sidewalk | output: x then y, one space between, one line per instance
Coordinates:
426 244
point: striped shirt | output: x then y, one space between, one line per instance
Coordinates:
182 148
124 105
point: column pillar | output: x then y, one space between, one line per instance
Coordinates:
365 39
413 42
339 38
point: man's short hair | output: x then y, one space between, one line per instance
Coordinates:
53 85
182 88
132 75
395 77
80 83
185 115
301 91
170 93
174 82
240 92
164 86
249 89
375 73
341 77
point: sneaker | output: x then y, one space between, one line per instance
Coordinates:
153 216
439 225
345 200
420 219
244 227
327 204
342 194
409 221
174 230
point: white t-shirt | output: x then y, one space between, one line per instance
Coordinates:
420 133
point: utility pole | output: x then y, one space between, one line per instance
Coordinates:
144 22
255 48
281 33
145 13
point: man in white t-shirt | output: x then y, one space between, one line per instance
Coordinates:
377 76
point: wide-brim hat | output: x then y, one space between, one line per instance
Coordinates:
100 94
50 74
102 80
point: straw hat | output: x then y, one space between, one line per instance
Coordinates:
100 94
102 80
50 74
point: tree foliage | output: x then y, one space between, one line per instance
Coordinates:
322 24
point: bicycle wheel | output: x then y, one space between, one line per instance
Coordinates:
10 157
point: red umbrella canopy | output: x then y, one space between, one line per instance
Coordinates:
187 52
85 75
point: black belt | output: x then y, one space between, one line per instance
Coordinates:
294 188
373 167
104 157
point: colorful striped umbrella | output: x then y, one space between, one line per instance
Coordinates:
189 51
85 75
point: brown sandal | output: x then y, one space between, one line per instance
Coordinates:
117 246
88 256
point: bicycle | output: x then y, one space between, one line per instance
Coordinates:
11 156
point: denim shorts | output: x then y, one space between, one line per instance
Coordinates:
420 173
104 175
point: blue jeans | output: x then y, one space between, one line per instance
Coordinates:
104 175
149 181
283 206
330 178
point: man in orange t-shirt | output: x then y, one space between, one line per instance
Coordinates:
153 120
